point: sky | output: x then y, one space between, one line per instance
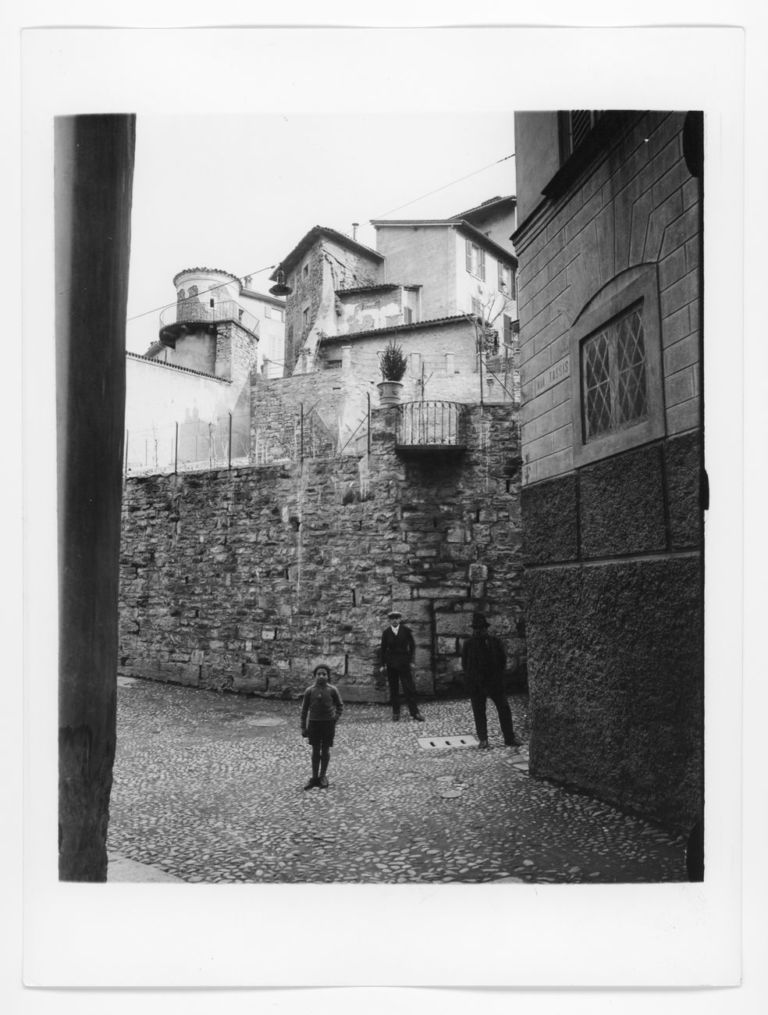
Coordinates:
238 192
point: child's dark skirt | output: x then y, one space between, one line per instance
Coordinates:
321 732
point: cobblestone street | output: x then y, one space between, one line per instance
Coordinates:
209 788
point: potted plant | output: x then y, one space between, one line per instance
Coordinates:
393 364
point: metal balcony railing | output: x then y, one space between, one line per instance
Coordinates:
430 426
195 312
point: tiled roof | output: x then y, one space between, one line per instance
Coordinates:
146 358
315 233
383 287
205 271
413 326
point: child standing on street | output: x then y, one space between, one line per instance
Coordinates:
321 709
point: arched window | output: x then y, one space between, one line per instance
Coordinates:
616 370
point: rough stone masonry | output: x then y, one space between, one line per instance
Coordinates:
243 580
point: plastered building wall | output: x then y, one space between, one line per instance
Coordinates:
160 395
425 256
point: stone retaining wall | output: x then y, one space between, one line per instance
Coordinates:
245 580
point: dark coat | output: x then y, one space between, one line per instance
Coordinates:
483 660
397 650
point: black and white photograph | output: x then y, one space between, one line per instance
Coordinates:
381 589
456 466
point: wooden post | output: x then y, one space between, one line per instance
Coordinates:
93 182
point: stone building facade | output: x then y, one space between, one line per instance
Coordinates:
323 261
243 580
610 251
456 272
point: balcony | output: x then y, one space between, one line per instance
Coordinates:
430 427
192 315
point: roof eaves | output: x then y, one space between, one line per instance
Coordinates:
203 270
309 238
466 227
456 223
174 366
379 287
487 205
378 223
413 326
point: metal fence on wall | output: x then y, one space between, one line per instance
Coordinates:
188 446
199 445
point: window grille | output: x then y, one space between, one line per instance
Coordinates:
614 375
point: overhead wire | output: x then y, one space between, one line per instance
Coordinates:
421 197
446 186
165 306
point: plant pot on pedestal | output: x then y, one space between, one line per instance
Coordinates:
389 392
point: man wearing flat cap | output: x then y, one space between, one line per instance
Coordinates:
397 652
483 660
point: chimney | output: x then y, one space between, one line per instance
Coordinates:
354 230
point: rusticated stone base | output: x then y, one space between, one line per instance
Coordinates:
616 683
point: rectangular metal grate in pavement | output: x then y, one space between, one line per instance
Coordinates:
435 743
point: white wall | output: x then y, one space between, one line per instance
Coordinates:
159 396
487 292
271 333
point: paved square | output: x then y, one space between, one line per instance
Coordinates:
209 788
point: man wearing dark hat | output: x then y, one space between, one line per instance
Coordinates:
483 660
397 652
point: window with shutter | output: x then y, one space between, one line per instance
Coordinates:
575 126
